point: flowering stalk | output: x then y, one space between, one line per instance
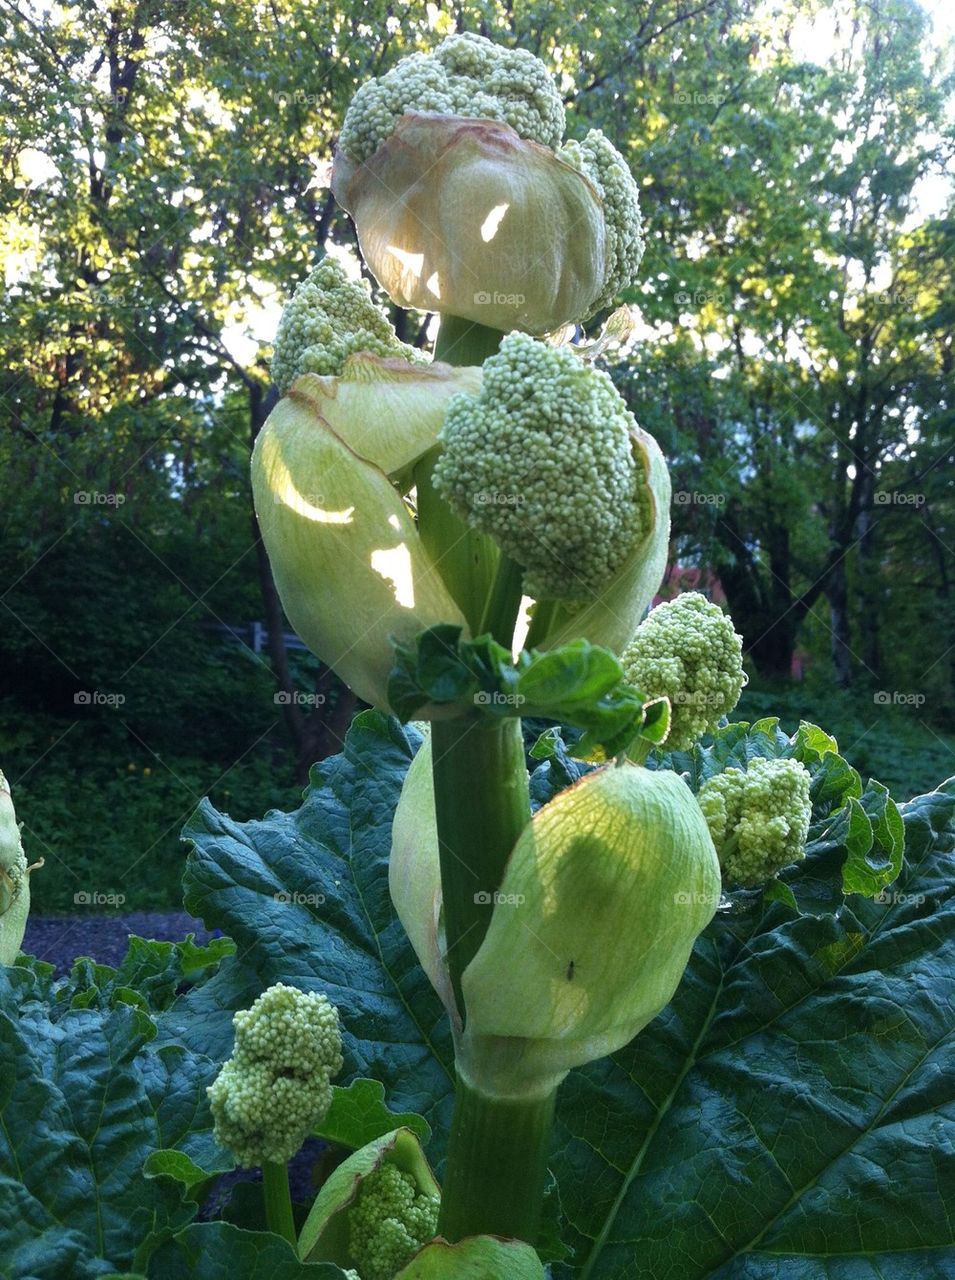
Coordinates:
278 1200
497 1157
553 939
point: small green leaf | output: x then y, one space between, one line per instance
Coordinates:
778 891
176 1165
869 870
578 673
358 1115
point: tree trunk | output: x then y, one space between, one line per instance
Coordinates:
837 593
763 612
869 588
324 730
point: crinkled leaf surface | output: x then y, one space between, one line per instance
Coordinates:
221 1251
791 1114
305 897
856 839
86 1096
358 1115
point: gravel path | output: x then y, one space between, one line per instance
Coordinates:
60 939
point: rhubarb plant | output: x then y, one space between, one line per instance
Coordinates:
556 971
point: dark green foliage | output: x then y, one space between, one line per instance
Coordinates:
803 1056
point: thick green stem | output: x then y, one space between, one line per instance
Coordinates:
541 621
496 1172
482 804
278 1201
465 558
462 342
504 602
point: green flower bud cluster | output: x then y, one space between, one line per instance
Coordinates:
466 200
276 1087
543 460
600 161
689 652
329 318
466 75
389 1222
758 818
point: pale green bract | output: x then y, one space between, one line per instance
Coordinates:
600 161
327 319
276 1087
542 460
14 880
466 75
758 819
389 1222
687 651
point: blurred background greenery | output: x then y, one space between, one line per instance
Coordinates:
163 190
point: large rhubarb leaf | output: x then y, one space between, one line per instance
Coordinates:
86 1097
305 897
791 1115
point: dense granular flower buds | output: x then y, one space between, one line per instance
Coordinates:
276 1087
349 565
375 1210
603 897
758 818
14 880
548 460
466 75
327 319
597 158
688 652
465 217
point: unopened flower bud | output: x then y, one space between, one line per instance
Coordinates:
467 218
349 566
